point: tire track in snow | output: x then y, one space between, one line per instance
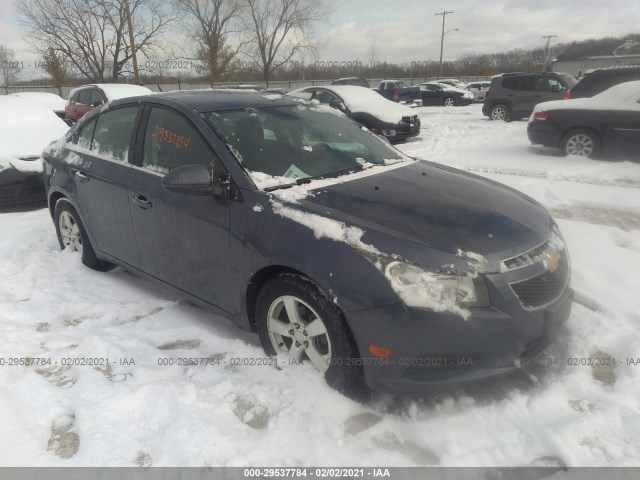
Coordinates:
611 217
616 182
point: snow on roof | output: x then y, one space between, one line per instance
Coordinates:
363 99
26 128
114 91
50 100
624 96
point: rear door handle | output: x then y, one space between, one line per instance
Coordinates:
82 177
141 201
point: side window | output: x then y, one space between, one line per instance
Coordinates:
96 98
171 141
86 135
113 132
324 97
390 86
519 83
84 97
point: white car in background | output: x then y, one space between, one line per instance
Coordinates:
50 100
26 128
479 89
371 110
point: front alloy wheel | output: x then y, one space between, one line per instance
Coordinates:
296 329
449 102
296 319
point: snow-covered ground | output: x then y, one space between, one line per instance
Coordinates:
150 413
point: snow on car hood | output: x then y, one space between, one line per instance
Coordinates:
50 100
26 128
365 100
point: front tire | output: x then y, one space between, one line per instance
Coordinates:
72 236
294 318
449 102
500 112
584 143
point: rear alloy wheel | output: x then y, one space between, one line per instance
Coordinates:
296 320
72 236
449 102
500 112
581 142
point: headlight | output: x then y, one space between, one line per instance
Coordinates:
418 287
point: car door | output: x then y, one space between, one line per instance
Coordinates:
549 88
622 131
183 239
522 94
431 95
100 174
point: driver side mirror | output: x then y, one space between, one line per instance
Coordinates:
337 104
196 179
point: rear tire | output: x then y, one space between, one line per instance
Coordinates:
294 318
582 142
500 112
73 236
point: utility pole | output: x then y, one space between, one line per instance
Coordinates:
136 77
546 52
444 14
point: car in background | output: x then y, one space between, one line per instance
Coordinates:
55 102
398 91
381 116
452 82
361 82
26 128
293 221
599 80
607 124
85 98
479 90
513 96
434 93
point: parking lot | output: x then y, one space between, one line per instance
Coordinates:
143 401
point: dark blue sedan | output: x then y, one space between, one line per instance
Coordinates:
300 225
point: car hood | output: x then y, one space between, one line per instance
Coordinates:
437 208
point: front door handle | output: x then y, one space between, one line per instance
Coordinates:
141 201
82 177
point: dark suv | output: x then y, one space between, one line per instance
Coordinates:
514 95
602 79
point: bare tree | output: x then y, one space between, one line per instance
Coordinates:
210 23
9 67
373 54
91 35
54 65
281 30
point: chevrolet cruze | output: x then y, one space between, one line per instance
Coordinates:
301 225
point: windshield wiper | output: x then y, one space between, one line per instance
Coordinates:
299 181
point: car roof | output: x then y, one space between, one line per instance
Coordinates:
216 100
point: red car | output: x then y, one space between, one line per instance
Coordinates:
87 97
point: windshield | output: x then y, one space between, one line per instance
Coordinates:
282 145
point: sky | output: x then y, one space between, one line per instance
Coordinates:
406 31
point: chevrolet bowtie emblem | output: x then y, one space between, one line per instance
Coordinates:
552 261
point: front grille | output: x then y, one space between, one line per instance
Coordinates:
544 288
